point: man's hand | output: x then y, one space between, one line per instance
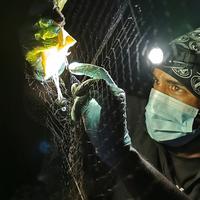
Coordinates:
102 107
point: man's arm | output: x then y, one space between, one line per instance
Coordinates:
143 181
102 107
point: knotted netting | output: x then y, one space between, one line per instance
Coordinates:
115 36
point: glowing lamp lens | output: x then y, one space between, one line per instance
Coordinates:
156 56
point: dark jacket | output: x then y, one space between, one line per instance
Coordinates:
145 182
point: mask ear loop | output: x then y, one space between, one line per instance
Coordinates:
196 123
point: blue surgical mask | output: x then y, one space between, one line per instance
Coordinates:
167 118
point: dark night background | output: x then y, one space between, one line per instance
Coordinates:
21 137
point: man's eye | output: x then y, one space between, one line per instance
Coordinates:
175 88
156 81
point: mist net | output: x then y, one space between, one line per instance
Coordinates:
113 35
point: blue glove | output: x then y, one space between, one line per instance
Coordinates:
102 107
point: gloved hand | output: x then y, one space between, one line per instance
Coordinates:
102 107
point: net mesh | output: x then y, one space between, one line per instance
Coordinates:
111 34
43 106
115 39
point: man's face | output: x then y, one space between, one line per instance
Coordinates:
171 87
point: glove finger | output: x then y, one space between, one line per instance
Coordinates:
93 71
73 88
99 90
84 93
84 88
79 104
96 73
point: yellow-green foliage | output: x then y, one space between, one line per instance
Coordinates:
46 35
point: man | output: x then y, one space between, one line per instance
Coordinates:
164 160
